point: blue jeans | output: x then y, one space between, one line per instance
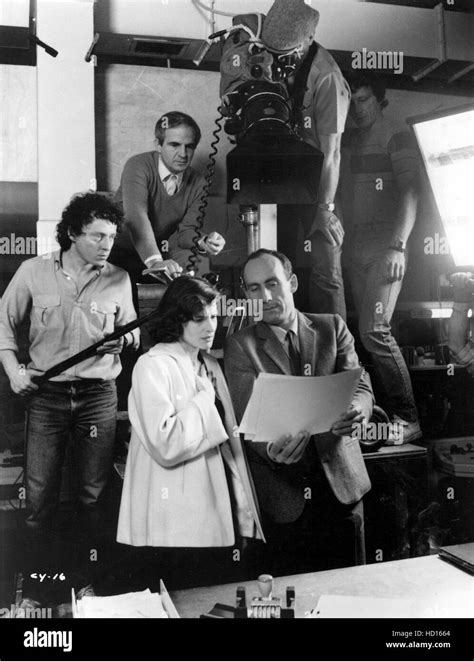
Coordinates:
86 411
326 286
375 299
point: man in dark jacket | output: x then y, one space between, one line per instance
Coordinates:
310 488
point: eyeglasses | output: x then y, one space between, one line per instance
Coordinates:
98 237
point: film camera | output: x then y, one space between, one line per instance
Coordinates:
262 95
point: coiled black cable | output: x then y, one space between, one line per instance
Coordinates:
191 265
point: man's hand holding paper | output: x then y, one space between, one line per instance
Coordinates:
288 449
344 425
282 404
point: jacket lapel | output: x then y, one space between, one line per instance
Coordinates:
272 347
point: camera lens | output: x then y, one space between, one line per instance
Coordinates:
256 71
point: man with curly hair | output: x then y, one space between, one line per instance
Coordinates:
73 298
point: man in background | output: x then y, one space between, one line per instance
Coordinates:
325 96
381 197
161 195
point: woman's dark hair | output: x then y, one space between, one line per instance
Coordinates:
82 210
184 299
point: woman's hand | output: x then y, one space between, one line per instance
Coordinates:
205 385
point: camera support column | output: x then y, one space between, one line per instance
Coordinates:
261 223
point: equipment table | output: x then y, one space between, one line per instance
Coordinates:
437 588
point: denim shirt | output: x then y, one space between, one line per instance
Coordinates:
65 319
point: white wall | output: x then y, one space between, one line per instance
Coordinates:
15 13
66 128
18 124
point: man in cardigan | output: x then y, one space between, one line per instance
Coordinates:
310 489
161 196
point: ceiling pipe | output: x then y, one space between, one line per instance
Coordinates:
435 64
462 72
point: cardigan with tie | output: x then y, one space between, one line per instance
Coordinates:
144 195
326 347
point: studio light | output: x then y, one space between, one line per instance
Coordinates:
446 142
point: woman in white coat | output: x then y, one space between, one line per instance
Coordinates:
187 484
